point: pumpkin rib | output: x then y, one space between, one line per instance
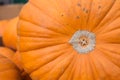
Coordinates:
83 10
102 73
105 14
111 48
45 13
6 52
72 73
89 12
107 55
53 70
109 58
105 28
89 73
83 67
107 70
30 34
108 18
59 53
42 48
38 46
56 19
53 62
10 34
65 14
80 12
115 30
8 70
65 76
98 11
42 28
96 72
39 39
46 27
116 69
112 39
53 19
49 61
93 68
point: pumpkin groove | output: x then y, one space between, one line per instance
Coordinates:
8 71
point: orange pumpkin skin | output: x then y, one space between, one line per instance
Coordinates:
2 26
17 60
7 52
8 71
46 27
10 34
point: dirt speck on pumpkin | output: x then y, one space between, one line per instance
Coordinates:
62 15
83 9
86 11
99 7
77 17
79 4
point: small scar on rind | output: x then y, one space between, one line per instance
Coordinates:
83 9
62 15
79 4
67 24
86 11
99 7
77 17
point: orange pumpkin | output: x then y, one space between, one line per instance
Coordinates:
10 34
7 52
70 39
8 71
2 26
17 60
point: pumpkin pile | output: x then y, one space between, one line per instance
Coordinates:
10 60
62 40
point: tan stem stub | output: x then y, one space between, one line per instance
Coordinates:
83 41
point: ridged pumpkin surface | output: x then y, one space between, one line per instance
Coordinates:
10 34
46 27
7 52
17 60
8 70
2 26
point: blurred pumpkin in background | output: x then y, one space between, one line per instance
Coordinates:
8 71
7 52
2 26
70 39
17 60
10 34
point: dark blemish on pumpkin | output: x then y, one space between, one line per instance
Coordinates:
79 4
86 11
67 24
77 17
99 7
83 9
62 15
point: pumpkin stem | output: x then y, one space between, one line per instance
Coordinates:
83 41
